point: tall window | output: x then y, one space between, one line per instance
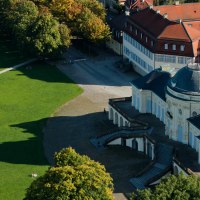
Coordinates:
135 31
182 47
152 43
146 39
166 46
141 35
174 47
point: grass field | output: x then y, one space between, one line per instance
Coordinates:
28 98
9 54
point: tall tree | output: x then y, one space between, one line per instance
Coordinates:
46 35
73 177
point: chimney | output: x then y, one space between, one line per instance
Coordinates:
177 3
158 11
165 15
180 21
151 6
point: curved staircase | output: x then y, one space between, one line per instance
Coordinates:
125 132
161 166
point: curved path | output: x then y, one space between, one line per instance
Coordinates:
78 120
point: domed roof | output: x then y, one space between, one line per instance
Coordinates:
187 80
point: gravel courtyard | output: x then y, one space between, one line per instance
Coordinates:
75 122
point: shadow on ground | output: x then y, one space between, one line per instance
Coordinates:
61 132
75 131
27 151
44 72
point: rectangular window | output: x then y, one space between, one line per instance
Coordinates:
182 47
152 43
146 39
141 35
166 46
174 47
135 31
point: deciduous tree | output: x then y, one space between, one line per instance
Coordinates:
73 177
174 187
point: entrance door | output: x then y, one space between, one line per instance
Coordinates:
134 144
123 142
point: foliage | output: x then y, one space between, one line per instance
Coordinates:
46 26
73 177
44 35
174 187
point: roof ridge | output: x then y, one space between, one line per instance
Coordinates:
187 32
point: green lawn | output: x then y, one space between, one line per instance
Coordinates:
9 55
28 98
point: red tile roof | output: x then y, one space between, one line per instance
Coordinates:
185 11
193 24
162 30
152 23
175 31
193 33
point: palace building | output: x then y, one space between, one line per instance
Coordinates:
162 117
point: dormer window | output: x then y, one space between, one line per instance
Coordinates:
146 39
174 47
182 47
166 46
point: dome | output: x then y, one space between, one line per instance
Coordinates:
187 80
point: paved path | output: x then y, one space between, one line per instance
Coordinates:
19 65
78 120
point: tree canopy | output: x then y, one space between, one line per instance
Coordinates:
47 26
173 187
73 177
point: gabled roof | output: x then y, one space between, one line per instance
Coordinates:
161 28
193 33
185 11
193 24
176 31
195 121
150 21
155 81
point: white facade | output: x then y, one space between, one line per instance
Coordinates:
144 61
173 113
145 101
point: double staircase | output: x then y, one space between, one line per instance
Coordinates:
160 167
125 132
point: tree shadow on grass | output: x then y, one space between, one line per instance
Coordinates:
28 151
44 72
75 131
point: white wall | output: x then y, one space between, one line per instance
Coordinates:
140 142
181 110
118 141
140 69
167 62
175 165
